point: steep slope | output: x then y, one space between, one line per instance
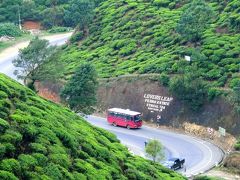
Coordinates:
130 36
42 140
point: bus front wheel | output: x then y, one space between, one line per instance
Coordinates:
114 124
128 127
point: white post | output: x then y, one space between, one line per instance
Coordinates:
19 19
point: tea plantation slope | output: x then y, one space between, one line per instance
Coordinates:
42 140
129 36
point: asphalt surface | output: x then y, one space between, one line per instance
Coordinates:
6 66
199 155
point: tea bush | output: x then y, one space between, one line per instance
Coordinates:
43 140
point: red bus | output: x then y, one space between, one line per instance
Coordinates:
124 117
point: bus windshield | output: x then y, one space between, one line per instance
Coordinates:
137 118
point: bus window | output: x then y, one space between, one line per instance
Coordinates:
128 118
111 113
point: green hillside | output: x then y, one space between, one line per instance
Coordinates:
42 140
129 37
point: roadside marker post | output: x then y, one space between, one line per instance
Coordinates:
222 131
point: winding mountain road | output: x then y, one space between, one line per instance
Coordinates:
6 56
200 155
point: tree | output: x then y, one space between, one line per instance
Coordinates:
31 60
80 92
189 88
80 13
154 149
194 20
235 99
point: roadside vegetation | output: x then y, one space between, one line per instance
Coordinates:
207 178
12 35
30 64
154 149
231 163
237 145
80 92
42 140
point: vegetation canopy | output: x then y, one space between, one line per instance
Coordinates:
30 62
80 91
154 149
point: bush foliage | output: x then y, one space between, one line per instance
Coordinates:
9 29
43 140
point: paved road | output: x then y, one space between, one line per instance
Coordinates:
11 53
199 155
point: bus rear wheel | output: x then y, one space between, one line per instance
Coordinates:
114 124
128 127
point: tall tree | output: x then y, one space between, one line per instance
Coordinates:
80 13
80 92
194 20
154 149
31 60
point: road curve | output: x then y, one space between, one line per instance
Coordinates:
200 155
7 56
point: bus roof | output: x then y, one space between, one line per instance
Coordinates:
124 111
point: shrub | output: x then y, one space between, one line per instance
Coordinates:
53 171
213 93
163 3
58 29
9 29
129 49
61 159
11 136
36 147
27 162
237 146
11 165
164 79
235 82
3 125
78 36
2 150
5 175
213 74
205 178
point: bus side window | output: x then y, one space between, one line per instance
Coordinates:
128 118
131 118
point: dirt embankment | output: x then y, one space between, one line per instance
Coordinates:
130 92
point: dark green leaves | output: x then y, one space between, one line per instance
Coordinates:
80 91
194 20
